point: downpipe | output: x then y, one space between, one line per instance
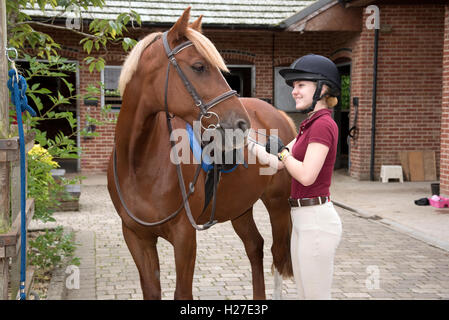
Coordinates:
373 111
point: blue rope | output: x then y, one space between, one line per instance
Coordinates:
229 170
206 162
18 87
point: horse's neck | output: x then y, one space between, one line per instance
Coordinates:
156 142
139 141
147 174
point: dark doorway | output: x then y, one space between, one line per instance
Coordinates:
239 79
341 115
55 127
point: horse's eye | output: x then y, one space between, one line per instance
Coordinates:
198 67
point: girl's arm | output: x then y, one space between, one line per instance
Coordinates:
266 158
307 171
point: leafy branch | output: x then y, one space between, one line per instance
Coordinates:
101 32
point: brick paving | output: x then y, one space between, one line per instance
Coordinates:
374 261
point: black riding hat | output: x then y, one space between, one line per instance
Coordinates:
312 67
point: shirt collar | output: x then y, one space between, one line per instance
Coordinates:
307 122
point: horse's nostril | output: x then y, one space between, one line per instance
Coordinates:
242 125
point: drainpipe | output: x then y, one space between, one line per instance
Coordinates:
373 111
273 82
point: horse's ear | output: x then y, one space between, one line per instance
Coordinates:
196 25
179 28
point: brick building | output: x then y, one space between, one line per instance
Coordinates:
408 55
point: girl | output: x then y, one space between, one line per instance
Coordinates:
310 159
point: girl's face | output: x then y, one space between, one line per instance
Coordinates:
303 93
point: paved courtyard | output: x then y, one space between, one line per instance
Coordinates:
373 260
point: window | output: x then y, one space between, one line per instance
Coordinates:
283 93
241 79
111 96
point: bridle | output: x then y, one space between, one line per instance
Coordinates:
204 113
204 107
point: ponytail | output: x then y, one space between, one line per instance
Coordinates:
331 95
331 101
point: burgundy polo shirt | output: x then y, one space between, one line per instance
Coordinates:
319 128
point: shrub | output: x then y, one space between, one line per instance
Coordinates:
50 248
41 184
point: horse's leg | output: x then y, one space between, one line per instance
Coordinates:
144 253
246 229
184 243
279 212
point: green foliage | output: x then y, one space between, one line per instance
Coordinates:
42 186
345 92
50 248
114 93
3 227
33 46
105 31
40 164
47 250
100 32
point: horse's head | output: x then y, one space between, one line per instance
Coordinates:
180 71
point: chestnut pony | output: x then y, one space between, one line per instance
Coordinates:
142 178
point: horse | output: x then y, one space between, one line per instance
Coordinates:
158 98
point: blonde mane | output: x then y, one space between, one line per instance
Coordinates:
132 60
204 46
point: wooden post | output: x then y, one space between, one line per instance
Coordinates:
4 165
4 128
10 233
4 280
4 97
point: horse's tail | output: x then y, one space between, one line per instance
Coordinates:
290 121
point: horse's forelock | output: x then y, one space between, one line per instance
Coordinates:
132 60
206 48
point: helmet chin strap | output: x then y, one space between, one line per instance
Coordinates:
316 97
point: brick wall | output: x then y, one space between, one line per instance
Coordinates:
245 47
408 87
409 80
444 157
256 47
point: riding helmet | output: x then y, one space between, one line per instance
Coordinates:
312 67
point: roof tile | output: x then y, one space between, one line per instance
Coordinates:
232 12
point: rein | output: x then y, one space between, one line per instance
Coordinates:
204 113
132 216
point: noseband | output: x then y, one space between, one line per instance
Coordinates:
204 107
204 113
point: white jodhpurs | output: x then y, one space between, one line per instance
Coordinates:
316 234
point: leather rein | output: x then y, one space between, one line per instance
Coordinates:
204 113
